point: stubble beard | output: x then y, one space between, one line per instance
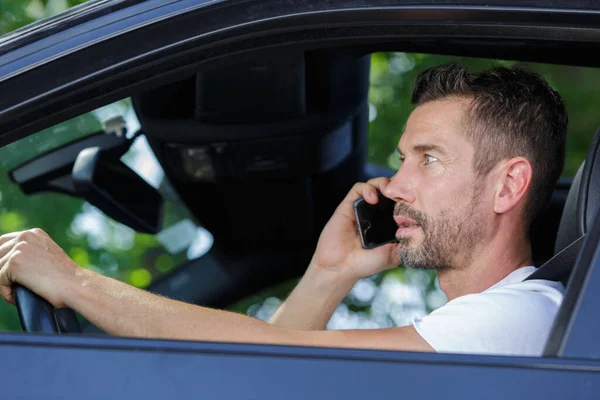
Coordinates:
448 239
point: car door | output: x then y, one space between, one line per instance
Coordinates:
110 49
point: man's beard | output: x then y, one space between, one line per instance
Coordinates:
448 239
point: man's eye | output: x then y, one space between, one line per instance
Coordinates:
429 159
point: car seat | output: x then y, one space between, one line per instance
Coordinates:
576 221
577 217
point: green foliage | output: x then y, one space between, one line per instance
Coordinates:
92 240
392 77
15 14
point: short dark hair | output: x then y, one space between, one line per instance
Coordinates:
513 112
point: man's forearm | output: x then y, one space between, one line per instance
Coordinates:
313 301
123 310
120 309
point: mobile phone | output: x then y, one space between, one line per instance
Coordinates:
376 225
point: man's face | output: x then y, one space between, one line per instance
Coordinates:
441 203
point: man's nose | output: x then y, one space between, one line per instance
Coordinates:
401 187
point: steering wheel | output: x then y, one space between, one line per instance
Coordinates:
37 315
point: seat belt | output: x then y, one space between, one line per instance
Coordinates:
559 267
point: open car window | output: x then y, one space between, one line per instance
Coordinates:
94 241
393 298
87 235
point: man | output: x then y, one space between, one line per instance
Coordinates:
480 155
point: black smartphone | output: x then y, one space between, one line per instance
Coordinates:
376 225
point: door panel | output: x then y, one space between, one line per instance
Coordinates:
78 368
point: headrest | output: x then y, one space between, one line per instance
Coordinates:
583 199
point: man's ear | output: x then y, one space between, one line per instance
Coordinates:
513 183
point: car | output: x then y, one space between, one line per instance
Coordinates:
257 113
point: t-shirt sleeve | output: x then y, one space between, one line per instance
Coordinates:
500 322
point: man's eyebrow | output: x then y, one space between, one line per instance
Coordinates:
425 147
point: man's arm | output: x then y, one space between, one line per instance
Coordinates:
120 309
313 301
33 260
338 263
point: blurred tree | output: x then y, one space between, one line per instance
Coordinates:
90 238
392 77
15 14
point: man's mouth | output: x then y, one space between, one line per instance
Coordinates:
403 222
405 226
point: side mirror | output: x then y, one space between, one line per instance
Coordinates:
102 179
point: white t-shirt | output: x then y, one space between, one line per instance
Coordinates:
511 318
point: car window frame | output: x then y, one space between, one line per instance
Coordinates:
84 87
167 40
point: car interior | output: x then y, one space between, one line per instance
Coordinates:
261 166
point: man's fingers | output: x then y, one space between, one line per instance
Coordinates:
380 183
359 190
12 245
7 237
5 248
4 278
8 294
30 235
5 284
369 193
368 190
9 240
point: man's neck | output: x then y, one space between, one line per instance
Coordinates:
488 266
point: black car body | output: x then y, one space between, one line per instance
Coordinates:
107 50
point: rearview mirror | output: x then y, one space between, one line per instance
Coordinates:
90 168
106 182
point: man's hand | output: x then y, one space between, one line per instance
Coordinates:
338 263
32 259
339 249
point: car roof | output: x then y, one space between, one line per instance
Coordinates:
27 57
94 9
71 17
